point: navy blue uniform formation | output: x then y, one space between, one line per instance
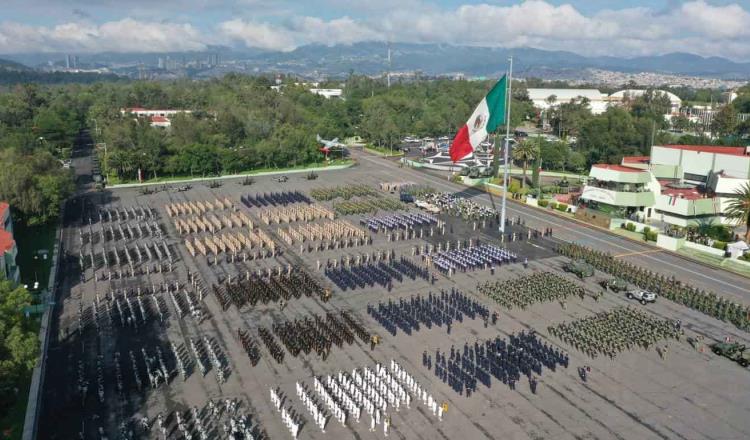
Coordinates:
316 334
381 273
398 221
269 289
274 199
527 290
612 332
250 346
523 354
277 353
439 309
475 257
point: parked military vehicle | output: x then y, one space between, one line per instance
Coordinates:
615 284
581 268
734 351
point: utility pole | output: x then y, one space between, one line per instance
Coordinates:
507 146
388 74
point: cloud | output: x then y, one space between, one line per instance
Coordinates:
695 26
126 35
297 31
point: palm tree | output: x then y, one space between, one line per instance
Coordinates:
525 152
739 209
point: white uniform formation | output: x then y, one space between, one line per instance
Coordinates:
346 396
291 421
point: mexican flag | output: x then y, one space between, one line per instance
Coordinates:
486 117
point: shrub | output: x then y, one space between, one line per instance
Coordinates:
650 235
543 203
552 205
562 207
722 245
630 227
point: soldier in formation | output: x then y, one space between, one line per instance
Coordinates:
668 287
530 289
612 332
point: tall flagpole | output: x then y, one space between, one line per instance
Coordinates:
507 146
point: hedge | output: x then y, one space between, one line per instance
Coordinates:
722 245
543 203
630 227
562 207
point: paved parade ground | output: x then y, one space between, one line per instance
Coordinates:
110 329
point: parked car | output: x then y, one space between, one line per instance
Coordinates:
644 296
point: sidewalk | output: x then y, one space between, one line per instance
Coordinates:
687 254
234 176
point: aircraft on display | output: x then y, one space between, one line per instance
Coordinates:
331 146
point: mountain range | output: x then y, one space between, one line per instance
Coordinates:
370 58
436 59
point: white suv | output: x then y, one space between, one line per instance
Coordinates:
644 296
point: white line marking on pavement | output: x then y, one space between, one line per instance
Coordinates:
587 234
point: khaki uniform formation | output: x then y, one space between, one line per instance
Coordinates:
290 214
328 234
211 223
272 286
612 332
252 244
197 207
367 205
527 290
342 192
670 288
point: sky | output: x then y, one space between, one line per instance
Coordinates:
622 28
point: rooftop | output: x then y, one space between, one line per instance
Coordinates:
636 159
159 119
734 151
6 241
620 168
683 193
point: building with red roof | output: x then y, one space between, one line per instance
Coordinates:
681 185
8 249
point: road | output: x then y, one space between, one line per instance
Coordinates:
705 277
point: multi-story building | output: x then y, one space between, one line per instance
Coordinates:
680 185
8 249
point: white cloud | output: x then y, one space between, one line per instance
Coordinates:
126 35
695 26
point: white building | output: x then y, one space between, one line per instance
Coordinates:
678 184
542 98
622 95
147 113
328 93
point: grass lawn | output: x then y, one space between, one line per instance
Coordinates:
383 151
115 180
32 241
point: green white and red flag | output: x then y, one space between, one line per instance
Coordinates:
489 114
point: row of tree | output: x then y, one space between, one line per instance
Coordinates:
38 127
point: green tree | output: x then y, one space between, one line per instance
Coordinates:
738 209
724 122
525 152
